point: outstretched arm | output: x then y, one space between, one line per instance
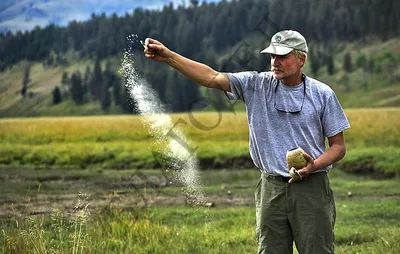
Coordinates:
195 71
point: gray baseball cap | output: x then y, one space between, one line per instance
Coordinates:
284 42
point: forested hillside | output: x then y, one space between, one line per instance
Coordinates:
228 36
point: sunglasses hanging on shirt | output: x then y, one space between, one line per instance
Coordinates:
289 109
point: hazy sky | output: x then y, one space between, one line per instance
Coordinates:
26 14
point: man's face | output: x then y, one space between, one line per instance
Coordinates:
285 66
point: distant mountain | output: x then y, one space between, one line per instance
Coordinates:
26 14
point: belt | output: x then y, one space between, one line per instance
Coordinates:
286 179
277 177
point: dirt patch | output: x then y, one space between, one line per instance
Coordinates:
97 202
139 190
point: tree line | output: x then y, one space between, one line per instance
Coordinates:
99 84
205 32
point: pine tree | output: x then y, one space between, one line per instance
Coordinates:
127 103
86 78
65 78
315 61
105 98
96 82
347 64
108 75
26 79
187 29
194 3
56 95
330 65
348 68
171 91
108 81
117 94
77 90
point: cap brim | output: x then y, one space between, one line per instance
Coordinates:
277 50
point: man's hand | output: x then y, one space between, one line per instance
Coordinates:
156 50
310 168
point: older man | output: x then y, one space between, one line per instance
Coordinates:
286 109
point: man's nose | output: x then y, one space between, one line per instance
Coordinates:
275 61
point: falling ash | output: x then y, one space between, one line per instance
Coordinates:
159 123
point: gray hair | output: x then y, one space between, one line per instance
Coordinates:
297 53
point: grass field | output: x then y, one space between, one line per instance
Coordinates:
38 216
84 185
123 142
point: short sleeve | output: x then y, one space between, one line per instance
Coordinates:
334 119
240 83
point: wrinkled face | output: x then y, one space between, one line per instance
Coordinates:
286 66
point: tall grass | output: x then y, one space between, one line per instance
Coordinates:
59 233
367 221
123 142
377 127
373 128
364 226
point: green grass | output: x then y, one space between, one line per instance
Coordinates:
46 162
368 226
363 226
123 142
381 162
367 221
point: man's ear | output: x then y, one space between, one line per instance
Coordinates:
302 60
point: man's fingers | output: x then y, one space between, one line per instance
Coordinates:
148 41
149 55
155 50
151 46
155 47
308 158
148 50
301 173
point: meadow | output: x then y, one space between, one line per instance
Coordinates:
220 138
91 215
92 185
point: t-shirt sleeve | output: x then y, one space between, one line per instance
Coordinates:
240 83
334 119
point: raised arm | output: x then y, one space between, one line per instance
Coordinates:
195 71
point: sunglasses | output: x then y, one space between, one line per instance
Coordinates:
291 111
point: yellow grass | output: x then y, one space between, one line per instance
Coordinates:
120 139
380 126
373 128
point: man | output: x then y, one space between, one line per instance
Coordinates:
285 109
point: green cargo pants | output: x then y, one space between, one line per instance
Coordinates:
303 212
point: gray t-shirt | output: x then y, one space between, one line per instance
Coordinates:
273 131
